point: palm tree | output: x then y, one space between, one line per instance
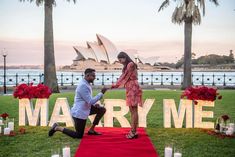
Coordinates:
187 12
49 58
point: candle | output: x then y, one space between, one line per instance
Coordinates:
66 152
1 122
231 125
11 125
221 127
177 155
231 129
7 131
168 151
229 132
55 155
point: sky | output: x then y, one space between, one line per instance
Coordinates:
129 24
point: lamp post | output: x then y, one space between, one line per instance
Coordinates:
4 54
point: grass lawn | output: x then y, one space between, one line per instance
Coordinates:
194 142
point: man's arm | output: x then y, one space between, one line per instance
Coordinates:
86 95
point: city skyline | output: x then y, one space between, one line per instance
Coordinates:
129 25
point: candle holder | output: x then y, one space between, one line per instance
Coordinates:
11 123
1 130
55 153
231 126
1 121
6 130
177 152
168 152
66 150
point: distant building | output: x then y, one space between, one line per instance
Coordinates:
102 55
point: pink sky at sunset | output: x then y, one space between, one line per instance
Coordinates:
133 24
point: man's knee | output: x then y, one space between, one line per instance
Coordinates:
78 136
103 110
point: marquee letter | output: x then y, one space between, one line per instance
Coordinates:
143 111
110 113
199 114
61 105
26 107
92 117
178 117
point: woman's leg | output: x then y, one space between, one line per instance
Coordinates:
134 118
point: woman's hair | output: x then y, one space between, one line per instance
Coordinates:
128 60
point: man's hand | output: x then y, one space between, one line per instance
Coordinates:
103 90
97 105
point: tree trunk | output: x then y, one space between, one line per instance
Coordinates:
187 53
49 60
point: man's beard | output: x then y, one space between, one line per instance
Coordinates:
91 81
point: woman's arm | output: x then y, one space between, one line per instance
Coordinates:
125 76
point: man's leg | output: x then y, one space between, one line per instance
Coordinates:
99 111
79 126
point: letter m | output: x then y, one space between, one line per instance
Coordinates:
169 108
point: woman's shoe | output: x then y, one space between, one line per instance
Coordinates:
132 135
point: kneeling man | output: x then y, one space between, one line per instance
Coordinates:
84 105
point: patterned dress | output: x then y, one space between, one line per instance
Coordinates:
129 80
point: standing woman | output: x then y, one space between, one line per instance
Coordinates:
129 80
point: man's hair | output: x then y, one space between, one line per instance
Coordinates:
89 71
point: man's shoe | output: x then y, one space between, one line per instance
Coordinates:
52 130
94 132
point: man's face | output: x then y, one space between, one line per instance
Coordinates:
91 77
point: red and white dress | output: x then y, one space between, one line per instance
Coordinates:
129 80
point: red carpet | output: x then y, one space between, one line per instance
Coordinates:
113 143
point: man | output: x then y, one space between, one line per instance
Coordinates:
84 105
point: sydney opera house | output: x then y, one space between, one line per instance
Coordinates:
102 55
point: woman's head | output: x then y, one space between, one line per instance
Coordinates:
124 59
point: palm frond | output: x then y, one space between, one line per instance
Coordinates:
38 2
178 15
74 1
164 5
26 0
215 2
203 6
189 8
196 18
173 18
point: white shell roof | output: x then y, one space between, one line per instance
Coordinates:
150 60
87 53
105 50
99 51
110 48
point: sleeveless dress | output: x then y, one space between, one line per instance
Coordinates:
129 80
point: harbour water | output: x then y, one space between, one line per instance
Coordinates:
218 78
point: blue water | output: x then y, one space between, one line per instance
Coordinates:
107 78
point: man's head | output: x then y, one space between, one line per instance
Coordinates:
90 75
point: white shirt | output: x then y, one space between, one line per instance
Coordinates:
83 100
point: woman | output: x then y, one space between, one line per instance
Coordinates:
129 80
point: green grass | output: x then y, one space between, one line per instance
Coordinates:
194 142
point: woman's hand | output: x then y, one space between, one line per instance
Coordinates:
114 86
